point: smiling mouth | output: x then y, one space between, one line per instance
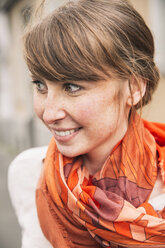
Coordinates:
66 133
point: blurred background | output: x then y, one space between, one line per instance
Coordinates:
19 128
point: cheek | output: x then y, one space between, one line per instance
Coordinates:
86 109
93 109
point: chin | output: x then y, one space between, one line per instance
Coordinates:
68 152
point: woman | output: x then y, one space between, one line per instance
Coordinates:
102 179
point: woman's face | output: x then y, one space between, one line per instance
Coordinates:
84 117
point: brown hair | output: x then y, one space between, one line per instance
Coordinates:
91 39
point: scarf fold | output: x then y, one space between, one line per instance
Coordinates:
110 208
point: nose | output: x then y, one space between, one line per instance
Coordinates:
53 110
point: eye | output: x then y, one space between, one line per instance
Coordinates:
40 86
72 88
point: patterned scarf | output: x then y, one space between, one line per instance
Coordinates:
110 208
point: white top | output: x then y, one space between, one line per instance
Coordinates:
23 177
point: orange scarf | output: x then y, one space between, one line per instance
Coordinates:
110 208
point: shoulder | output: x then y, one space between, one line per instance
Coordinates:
26 162
24 171
26 165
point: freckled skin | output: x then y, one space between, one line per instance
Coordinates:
103 118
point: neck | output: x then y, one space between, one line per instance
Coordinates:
94 160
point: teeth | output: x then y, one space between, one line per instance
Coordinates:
65 133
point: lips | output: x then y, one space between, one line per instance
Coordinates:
66 133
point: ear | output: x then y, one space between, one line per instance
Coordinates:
137 89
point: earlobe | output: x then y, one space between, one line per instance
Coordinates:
137 89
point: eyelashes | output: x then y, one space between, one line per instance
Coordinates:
40 86
69 88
